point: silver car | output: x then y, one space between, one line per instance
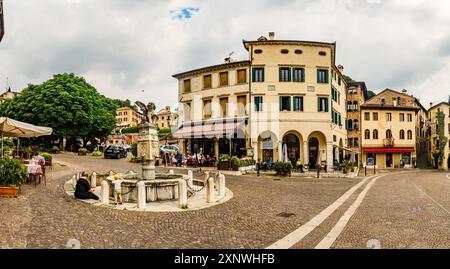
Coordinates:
169 149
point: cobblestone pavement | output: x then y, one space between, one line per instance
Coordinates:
45 218
408 210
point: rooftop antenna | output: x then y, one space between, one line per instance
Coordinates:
229 59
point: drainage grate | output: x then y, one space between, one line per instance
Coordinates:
285 215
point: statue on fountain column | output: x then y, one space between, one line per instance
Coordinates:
148 112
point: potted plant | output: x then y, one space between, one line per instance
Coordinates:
224 162
97 153
55 150
27 152
48 159
235 163
12 174
82 152
347 166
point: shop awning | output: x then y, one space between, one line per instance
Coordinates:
209 130
388 150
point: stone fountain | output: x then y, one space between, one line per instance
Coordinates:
158 187
150 186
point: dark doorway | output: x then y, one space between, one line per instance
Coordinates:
293 147
313 152
388 160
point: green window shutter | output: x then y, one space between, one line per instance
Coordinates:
318 76
302 73
281 103
318 104
326 104
301 103
262 72
339 119
253 74
326 76
289 103
289 74
280 74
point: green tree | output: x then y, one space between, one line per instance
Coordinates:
371 94
68 104
348 79
125 103
130 130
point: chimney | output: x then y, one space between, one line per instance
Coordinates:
271 35
341 69
404 91
431 104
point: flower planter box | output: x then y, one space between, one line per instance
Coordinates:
9 191
223 165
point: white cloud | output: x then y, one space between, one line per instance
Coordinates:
124 47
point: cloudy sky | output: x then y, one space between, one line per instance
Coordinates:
130 48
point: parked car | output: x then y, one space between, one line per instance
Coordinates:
115 151
169 149
127 147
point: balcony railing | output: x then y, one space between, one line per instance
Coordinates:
389 142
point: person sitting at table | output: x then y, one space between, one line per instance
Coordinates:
83 189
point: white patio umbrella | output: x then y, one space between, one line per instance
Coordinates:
353 157
319 161
285 154
14 128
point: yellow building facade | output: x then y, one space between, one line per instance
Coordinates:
287 102
388 127
127 117
433 134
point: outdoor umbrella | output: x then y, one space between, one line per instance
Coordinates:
285 155
14 128
352 157
319 161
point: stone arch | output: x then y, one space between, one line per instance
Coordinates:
267 145
294 142
317 148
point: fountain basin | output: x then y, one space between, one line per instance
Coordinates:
162 188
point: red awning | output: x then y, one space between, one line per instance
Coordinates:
388 150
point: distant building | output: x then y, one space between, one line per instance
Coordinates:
433 135
388 128
127 117
167 118
8 95
356 96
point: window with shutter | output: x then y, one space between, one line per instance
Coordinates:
242 76
285 74
224 79
258 74
207 82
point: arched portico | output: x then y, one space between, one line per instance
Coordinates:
267 146
294 145
317 149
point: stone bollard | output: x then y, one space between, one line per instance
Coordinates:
182 194
74 181
105 192
210 192
111 173
216 180
206 176
222 186
171 172
191 178
94 180
142 200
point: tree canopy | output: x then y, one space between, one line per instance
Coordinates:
371 94
68 104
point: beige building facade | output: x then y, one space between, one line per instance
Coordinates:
433 134
287 103
389 122
167 118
